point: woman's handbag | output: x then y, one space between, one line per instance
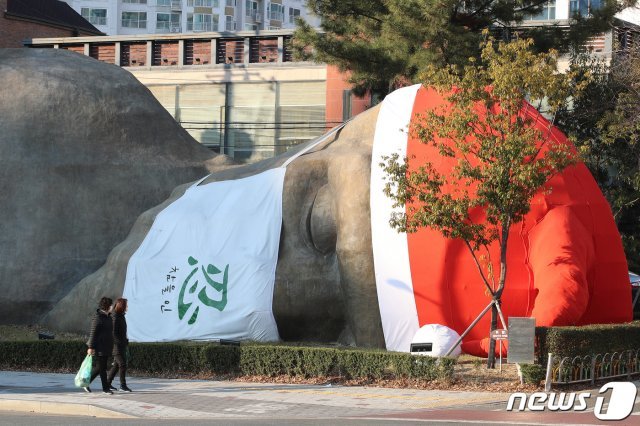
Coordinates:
83 378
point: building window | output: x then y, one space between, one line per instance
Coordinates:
136 2
276 12
134 19
583 7
251 9
203 3
548 12
94 16
231 3
293 15
271 27
202 22
164 3
346 105
229 23
169 22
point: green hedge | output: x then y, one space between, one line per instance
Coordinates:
42 354
247 359
586 340
533 373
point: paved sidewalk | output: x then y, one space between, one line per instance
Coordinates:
202 399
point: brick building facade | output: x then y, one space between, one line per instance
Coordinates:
27 19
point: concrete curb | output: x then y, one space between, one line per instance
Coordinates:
62 408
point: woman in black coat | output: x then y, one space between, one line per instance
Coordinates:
120 343
100 343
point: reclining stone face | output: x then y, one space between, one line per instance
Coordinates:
85 149
325 284
324 267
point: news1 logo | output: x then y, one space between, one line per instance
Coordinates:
620 404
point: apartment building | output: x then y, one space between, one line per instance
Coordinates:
133 17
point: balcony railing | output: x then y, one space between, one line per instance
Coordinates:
134 23
253 14
97 20
203 3
203 26
167 27
276 16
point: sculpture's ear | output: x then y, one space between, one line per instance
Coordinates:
322 221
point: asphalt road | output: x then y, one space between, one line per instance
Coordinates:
20 419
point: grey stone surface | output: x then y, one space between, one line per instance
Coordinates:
325 286
86 149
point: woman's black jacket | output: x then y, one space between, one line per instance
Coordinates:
120 340
101 336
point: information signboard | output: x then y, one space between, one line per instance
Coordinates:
522 332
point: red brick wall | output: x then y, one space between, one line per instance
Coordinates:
133 54
336 84
197 52
103 52
264 50
78 48
596 44
13 31
230 52
165 53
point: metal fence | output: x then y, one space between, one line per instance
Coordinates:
248 121
589 368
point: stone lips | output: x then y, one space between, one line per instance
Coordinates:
86 148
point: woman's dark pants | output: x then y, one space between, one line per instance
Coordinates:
119 363
100 367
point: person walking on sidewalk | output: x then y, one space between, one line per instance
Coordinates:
120 345
100 343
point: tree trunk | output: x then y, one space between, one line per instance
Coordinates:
504 238
491 359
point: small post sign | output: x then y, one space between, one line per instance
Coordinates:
500 334
522 333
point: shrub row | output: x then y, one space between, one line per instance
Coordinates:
533 373
247 359
586 340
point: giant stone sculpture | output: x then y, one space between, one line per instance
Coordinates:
85 149
568 253
325 280
325 288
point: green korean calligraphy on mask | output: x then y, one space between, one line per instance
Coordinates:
203 295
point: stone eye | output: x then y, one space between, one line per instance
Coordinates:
322 222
